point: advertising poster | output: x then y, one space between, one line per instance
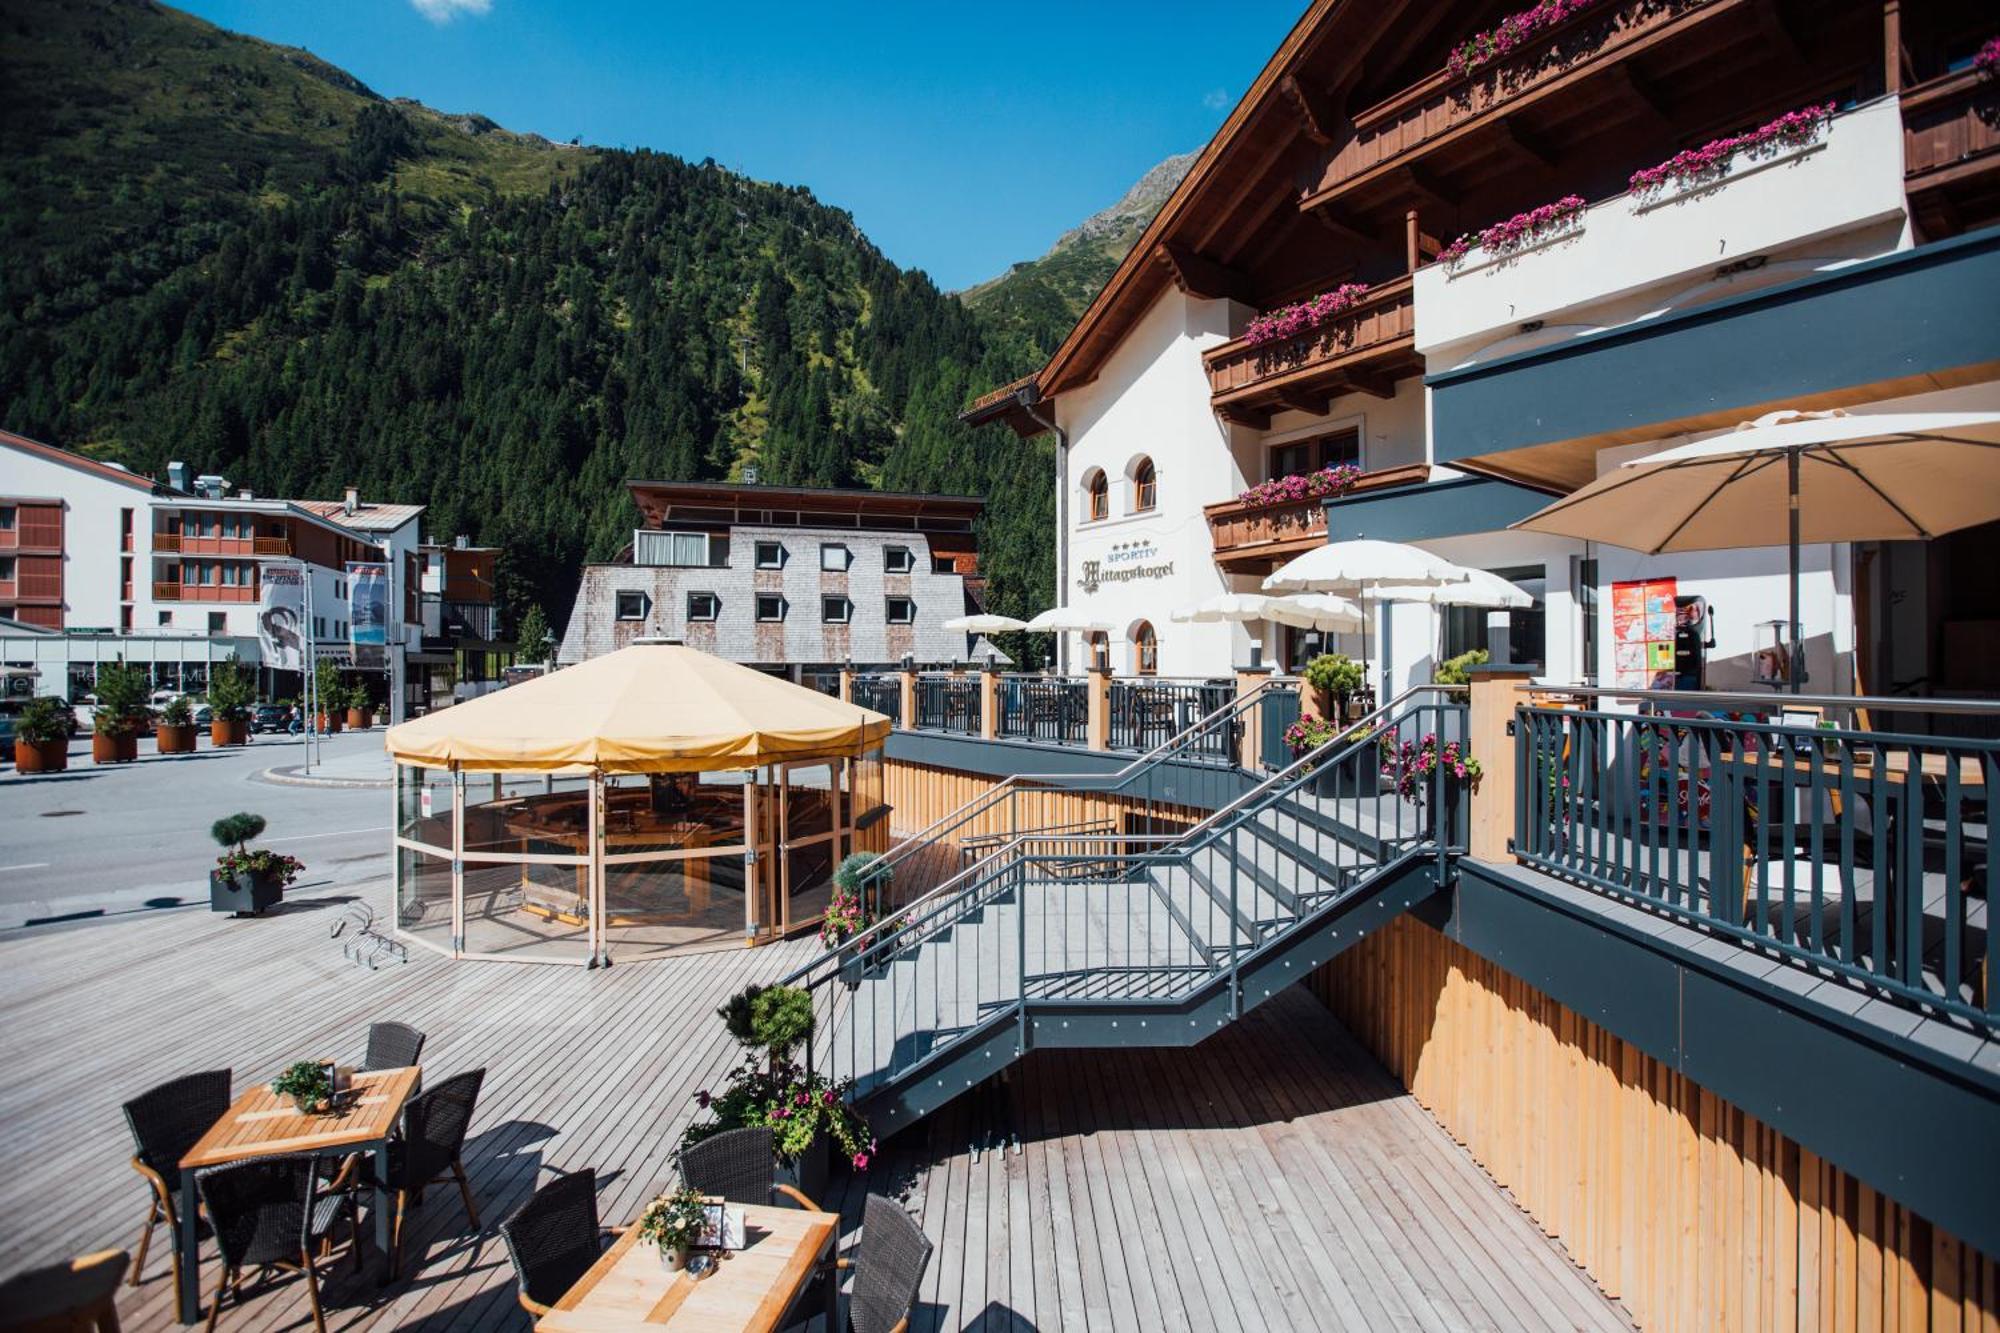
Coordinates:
368 614
281 617
1642 633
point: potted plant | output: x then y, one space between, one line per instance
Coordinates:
1334 677
359 714
41 738
847 916
1353 777
332 698
309 1085
674 1222
121 712
1452 671
246 879
174 733
230 694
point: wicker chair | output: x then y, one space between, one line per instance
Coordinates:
434 1126
268 1212
893 1255
554 1238
66 1297
165 1122
740 1166
392 1046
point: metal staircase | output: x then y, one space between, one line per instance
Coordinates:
1116 938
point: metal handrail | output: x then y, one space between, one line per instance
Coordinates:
1888 703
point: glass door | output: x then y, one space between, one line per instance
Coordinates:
760 814
809 824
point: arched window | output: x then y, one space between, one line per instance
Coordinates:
1145 649
1145 486
1097 489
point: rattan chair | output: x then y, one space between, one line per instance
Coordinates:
392 1046
268 1212
433 1136
554 1238
738 1165
890 1263
165 1122
65 1298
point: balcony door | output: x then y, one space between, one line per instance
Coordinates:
1297 457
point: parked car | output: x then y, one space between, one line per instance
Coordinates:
203 715
270 717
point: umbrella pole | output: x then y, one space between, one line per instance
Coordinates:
1798 655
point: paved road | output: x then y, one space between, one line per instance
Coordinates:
134 837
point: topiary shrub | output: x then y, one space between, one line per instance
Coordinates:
237 829
780 1018
1452 670
1334 673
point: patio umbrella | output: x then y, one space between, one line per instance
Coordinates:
1060 618
985 624
1796 477
1357 567
1318 610
1477 588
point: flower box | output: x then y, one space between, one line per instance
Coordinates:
40 756
170 739
114 747
246 893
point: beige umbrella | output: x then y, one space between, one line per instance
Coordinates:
1059 618
985 624
1477 588
1796 477
1359 565
1317 611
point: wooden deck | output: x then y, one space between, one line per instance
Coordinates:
1272 1178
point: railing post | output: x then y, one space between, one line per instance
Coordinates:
1250 679
847 683
989 703
1495 694
909 688
1098 692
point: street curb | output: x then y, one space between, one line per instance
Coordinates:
293 777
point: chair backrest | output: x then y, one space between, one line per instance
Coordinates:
552 1238
435 1122
894 1255
737 1164
392 1046
166 1121
260 1208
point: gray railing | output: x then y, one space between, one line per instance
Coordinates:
1863 852
949 703
1052 709
883 693
823 682
1281 709
1145 713
1132 918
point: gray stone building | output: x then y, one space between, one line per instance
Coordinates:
786 577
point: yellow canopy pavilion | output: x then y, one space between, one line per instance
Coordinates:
651 801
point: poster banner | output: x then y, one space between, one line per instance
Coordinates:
281 617
368 614
1642 633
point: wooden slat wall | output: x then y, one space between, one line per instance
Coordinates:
920 795
1693 1214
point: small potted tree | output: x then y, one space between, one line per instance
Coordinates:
359 714
41 738
1334 678
246 879
230 694
847 916
174 733
332 698
121 713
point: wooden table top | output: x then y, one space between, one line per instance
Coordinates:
258 1123
627 1288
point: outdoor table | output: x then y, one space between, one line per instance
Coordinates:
751 1288
260 1124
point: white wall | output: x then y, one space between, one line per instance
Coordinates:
91 537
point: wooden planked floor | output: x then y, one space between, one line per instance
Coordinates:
1272 1178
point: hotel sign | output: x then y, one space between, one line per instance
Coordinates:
1124 563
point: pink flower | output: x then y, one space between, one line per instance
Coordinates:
1510 34
1988 59
800 1099
703 1098
861 1161
1519 230
1713 158
827 1096
1292 320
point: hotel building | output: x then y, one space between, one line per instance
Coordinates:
1839 256
785 578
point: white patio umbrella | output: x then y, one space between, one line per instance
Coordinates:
985 624
1477 588
1796 477
1058 619
1317 611
1360 565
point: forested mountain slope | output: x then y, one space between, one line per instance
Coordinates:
223 251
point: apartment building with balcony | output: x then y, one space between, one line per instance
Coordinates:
1840 259
786 578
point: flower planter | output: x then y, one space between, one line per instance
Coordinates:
247 894
329 724
114 747
40 756
221 732
1354 778
807 1172
174 740
360 719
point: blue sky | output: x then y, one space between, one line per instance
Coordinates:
961 137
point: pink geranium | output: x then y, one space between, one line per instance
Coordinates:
1712 159
1988 59
1293 320
1510 34
1517 231
1298 487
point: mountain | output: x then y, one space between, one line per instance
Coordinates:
1038 300
229 252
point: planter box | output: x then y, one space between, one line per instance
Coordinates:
807 1173
174 740
243 895
329 724
114 748
40 756
229 733
1356 777
360 719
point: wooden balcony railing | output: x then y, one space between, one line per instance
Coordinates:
271 546
1951 133
1247 536
167 543
166 592
1390 134
1364 350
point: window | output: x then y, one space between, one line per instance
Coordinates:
943 564
1097 490
834 558
770 555
633 605
218 622
6 569
8 518
703 606
835 610
166 618
684 550
902 611
1465 626
1321 451
1145 486
897 560
1145 649
770 606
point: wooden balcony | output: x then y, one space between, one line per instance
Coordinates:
167 543
1951 152
280 546
1365 350
1391 135
166 592
1258 538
